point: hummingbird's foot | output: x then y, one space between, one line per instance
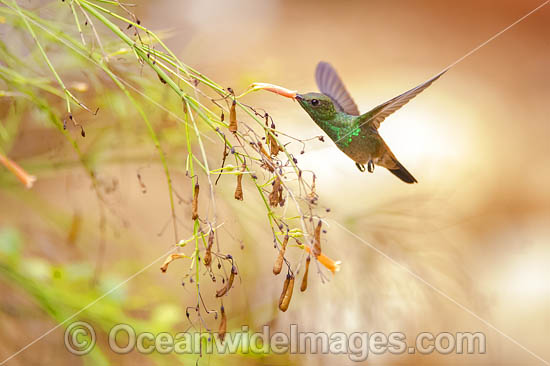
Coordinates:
361 167
370 166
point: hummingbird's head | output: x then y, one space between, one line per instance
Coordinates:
319 106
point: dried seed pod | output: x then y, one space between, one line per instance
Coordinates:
262 150
239 189
317 240
303 286
286 295
279 261
285 288
312 196
267 163
276 194
195 214
274 147
223 325
233 125
228 284
170 259
208 255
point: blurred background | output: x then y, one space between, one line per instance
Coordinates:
476 226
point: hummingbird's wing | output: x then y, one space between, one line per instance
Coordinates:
329 83
378 114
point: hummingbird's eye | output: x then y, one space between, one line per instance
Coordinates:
315 102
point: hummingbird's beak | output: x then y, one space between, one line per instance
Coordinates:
298 97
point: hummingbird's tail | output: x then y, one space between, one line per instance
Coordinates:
401 172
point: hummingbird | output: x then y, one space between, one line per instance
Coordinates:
354 133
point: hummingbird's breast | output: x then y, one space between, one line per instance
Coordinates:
359 144
361 148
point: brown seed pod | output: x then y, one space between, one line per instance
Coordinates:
285 288
239 189
267 163
233 125
303 286
279 261
223 325
317 240
195 214
274 147
228 284
286 295
208 254
312 196
276 195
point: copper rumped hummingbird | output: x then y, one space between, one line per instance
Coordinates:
356 134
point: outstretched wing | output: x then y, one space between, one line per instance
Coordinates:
379 114
329 83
